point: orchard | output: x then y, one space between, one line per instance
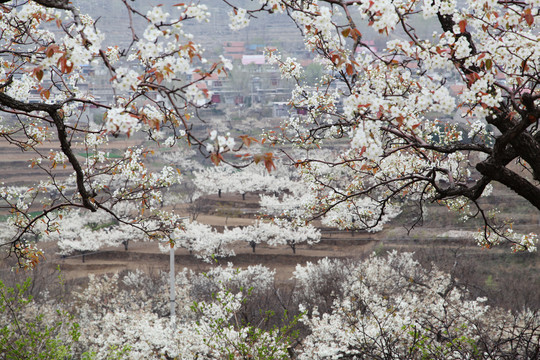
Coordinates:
443 117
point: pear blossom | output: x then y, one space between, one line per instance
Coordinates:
238 19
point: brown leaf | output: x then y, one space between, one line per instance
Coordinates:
528 17
46 94
350 69
216 158
269 162
463 25
39 74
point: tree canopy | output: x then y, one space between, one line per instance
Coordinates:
422 119
407 119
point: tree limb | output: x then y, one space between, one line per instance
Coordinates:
512 180
54 112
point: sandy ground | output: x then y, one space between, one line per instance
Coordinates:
147 256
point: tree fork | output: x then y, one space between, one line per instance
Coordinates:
510 179
66 149
53 111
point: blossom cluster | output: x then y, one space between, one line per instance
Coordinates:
385 304
394 107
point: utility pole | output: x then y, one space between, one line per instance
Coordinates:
172 290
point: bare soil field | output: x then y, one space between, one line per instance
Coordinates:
146 256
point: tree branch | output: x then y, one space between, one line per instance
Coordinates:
510 179
53 111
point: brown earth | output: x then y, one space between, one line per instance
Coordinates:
146 256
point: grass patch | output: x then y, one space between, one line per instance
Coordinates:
108 156
32 214
99 226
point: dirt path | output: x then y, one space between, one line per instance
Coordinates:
146 256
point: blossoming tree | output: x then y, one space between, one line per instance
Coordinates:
388 107
84 233
393 308
383 307
49 50
376 114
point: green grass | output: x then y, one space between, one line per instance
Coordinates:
109 156
32 214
